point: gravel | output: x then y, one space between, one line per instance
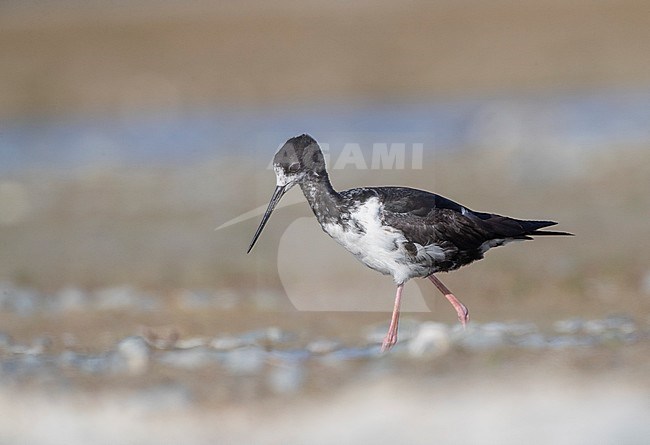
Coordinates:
578 380
272 353
250 353
267 359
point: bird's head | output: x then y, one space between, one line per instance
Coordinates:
300 158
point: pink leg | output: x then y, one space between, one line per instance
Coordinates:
461 310
391 336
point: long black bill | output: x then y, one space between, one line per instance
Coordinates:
277 195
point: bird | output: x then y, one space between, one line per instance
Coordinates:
398 231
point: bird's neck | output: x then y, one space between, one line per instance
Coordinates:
322 198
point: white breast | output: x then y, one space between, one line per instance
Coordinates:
381 247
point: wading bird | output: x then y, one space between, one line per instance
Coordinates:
398 231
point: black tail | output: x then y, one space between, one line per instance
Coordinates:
499 226
549 233
532 228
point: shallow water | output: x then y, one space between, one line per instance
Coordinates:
578 121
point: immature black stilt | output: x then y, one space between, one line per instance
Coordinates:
398 231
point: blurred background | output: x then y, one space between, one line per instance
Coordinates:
131 130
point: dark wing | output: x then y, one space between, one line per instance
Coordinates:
427 218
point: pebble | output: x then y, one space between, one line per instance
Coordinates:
226 343
134 353
272 335
190 358
248 360
569 326
189 343
322 346
432 340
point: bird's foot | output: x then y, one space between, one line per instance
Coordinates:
463 314
389 341
461 309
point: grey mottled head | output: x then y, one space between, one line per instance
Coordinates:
298 159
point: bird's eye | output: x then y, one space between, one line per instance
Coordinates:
294 167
